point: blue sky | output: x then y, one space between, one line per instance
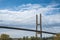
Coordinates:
14 3
22 13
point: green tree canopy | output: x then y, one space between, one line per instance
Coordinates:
5 37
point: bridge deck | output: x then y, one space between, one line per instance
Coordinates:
26 30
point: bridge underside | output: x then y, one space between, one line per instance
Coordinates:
27 30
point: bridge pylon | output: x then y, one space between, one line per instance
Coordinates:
39 24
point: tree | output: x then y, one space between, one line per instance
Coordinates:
27 38
20 39
4 37
33 38
24 38
57 37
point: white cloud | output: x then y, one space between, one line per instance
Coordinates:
28 7
51 19
52 5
